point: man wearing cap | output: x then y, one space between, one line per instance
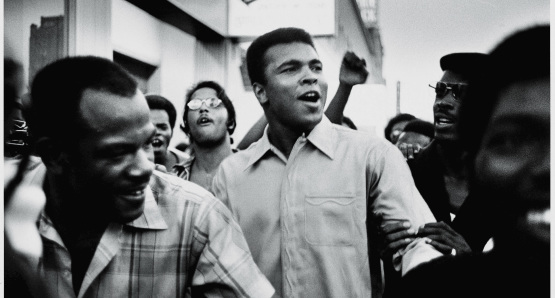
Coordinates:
438 170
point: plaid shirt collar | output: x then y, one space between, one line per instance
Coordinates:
151 219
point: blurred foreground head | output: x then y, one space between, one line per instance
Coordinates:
506 129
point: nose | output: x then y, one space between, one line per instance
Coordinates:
309 77
203 107
443 102
540 168
142 166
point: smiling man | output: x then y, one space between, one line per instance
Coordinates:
112 226
303 193
162 115
438 170
506 132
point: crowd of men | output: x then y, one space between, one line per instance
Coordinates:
308 207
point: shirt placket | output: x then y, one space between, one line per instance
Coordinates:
288 197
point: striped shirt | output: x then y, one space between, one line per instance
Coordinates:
185 243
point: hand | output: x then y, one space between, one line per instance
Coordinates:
395 236
353 70
160 168
409 150
444 238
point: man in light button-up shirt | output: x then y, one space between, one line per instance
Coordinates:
304 192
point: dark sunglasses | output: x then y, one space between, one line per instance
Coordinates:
457 90
196 103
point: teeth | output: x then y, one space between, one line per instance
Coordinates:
310 96
443 121
539 216
156 142
136 193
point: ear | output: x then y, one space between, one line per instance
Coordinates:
260 93
55 159
184 128
231 125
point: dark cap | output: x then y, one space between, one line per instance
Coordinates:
467 64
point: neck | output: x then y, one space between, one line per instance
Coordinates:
284 138
451 156
169 160
209 158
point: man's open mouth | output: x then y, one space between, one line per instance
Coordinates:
311 96
157 143
444 121
204 120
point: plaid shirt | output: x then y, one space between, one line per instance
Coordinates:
182 168
185 243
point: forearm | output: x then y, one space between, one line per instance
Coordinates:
335 109
254 134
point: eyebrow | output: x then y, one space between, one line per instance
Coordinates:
117 143
299 62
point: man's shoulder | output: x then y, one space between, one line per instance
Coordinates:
241 157
360 138
171 190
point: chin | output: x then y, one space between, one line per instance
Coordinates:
129 216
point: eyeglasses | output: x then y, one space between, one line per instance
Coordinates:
457 90
196 103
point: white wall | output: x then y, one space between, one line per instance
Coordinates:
212 13
177 71
368 103
137 34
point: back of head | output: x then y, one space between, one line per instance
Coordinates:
158 102
57 89
420 127
221 94
523 56
256 51
467 65
398 118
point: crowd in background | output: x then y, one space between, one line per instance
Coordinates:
97 203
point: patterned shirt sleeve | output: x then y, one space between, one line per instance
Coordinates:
225 267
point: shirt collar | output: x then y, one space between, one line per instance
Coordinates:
261 147
323 137
151 218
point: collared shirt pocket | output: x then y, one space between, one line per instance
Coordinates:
330 220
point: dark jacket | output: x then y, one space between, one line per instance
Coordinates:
427 172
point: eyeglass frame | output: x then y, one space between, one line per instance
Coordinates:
209 102
456 93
